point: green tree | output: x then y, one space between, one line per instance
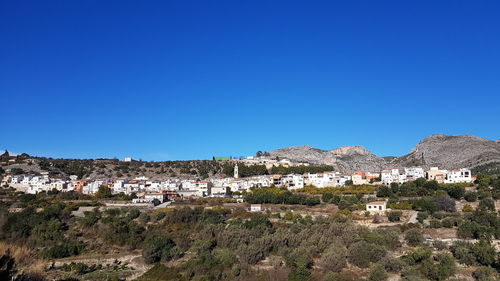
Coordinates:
394 216
158 247
485 274
363 253
384 191
334 258
443 267
414 237
484 252
377 273
91 217
470 196
487 203
421 216
326 197
103 192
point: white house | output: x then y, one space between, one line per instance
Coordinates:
292 181
219 191
118 186
435 174
456 176
256 208
162 197
390 176
358 179
377 207
59 185
325 179
204 188
414 173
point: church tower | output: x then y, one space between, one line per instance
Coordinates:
236 171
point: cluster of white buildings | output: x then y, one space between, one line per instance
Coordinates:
434 173
148 190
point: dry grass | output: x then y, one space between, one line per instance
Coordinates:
24 257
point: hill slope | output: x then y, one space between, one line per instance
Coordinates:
452 152
346 159
444 151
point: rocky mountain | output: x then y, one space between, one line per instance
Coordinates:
444 151
345 159
452 152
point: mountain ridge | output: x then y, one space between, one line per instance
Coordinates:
444 151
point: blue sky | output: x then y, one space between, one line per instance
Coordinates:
165 80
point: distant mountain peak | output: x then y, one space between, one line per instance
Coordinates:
351 149
444 151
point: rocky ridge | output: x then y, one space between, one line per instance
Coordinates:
440 150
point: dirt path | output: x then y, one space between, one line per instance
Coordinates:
134 261
413 217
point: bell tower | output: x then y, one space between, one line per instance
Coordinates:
236 175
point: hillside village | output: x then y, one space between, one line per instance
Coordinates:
148 189
260 217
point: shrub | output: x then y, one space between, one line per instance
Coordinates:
421 216
445 203
484 274
487 203
251 254
456 192
160 272
443 268
158 247
449 222
384 191
362 253
467 208
414 237
463 252
326 197
484 252
394 264
439 245
334 258
417 255
377 273
62 250
394 216
435 223
91 217
470 196
299 274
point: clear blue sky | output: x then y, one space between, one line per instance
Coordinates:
165 80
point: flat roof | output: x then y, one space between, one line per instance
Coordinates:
377 203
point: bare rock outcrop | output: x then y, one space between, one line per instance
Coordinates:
439 150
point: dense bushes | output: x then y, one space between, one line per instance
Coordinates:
158 247
414 237
279 196
421 263
394 216
363 253
334 258
481 253
64 249
480 224
434 204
